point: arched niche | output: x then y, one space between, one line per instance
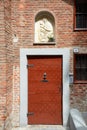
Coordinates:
44 27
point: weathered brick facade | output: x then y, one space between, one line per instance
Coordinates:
17 17
2 65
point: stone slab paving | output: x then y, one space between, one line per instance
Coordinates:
41 127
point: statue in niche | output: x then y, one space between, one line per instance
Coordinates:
43 30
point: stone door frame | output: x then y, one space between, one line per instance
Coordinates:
24 77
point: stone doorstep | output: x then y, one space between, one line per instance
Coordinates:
1 128
41 127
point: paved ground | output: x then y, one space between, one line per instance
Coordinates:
41 127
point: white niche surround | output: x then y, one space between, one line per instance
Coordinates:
24 77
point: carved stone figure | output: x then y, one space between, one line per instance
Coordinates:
43 30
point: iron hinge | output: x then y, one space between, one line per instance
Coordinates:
30 65
30 114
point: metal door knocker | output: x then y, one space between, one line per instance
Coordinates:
44 77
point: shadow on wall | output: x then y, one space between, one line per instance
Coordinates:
70 2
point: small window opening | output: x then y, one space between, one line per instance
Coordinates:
80 67
81 14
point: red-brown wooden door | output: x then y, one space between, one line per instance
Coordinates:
45 90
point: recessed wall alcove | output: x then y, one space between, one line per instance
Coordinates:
44 32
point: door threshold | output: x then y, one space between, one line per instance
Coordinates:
45 127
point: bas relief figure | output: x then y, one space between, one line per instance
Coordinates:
43 31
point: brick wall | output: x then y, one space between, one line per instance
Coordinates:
9 54
79 97
17 17
78 92
23 19
2 66
9 63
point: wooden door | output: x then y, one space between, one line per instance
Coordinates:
45 90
